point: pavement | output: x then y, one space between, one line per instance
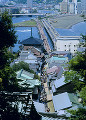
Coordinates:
66 21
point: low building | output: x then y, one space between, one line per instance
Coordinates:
34 61
27 80
66 101
60 86
56 61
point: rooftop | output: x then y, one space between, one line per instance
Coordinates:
32 41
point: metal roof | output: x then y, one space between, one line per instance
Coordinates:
60 82
61 101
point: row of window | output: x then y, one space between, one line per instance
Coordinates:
70 45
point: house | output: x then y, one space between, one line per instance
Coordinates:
59 86
33 61
27 80
65 101
56 61
61 54
53 73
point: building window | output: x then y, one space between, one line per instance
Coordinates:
65 45
74 50
74 45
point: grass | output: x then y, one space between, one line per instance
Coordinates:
30 23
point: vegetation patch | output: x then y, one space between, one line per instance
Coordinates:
30 23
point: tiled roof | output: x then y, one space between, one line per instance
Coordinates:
32 41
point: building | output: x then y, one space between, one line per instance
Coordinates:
35 42
64 7
67 43
83 6
75 6
78 7
59 86
29 5
27 80
71 8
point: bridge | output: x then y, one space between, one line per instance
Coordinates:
51 30
43 36
29 14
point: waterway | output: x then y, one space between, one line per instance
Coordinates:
25 32
75 30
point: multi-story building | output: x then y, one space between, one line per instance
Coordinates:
83 6
67 43
64 7
78 7
71 8
29 5
75 6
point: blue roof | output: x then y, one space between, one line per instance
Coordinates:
61 101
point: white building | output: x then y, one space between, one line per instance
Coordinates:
78 7
67 43
75 6
71 8
83 6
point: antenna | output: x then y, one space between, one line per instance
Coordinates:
31 32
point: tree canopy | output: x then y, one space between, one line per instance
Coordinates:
7 40
77 75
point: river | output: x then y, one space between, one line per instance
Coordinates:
75 30
25 32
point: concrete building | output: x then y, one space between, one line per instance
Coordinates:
71 8
78 7
64 7
75 5
29 4
83 6
67 43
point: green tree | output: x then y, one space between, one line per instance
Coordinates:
79 114
83 95
77 75
7 40
77 68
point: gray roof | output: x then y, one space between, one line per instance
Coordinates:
40 107
60 82
61 101
32 41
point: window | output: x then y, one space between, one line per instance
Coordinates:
74 45
65 45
